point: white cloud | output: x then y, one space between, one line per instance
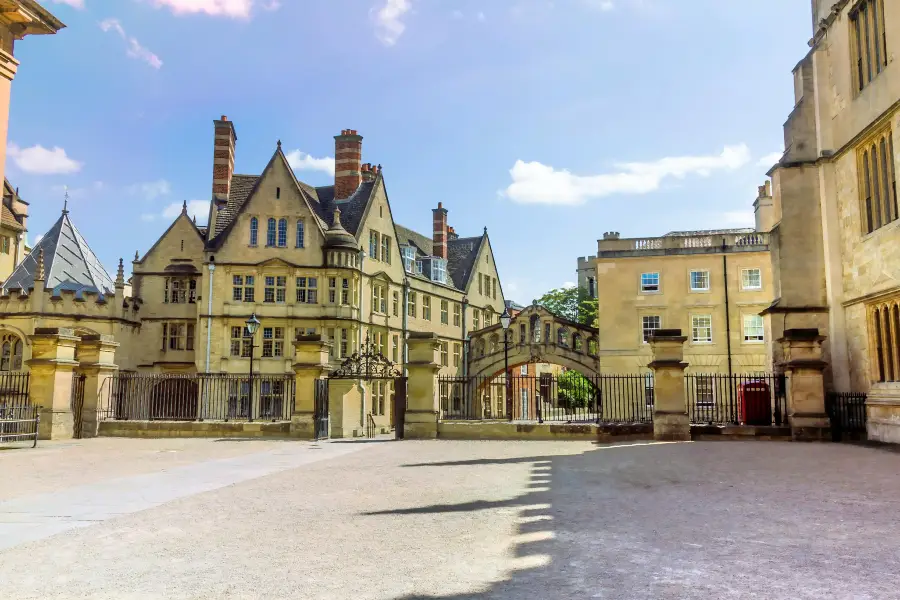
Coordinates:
480 16
234 9
79 4
301 161
37 239
151 190
457 14
739 218
603 5
569 284
134 48
195 208
769 160
42 161
536 183
388 20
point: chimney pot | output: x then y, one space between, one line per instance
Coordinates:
224 118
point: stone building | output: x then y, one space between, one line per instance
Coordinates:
710 284
836 242
18 18
307 260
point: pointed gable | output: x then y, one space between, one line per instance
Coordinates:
69 263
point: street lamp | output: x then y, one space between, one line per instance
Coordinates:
252 326
505 319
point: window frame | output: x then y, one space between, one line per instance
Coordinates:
700 272
644 337
744 279
254 232
695 327
644 286
762 328
307 289
300 236
271 232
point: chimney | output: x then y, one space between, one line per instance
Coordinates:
451 234
223 168
347 167
764 208
439 236
368 172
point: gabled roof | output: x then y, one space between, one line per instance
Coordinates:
407 236
69 263
461 256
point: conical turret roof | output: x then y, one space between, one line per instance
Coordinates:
69 263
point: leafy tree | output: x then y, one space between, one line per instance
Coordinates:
575 390
572 303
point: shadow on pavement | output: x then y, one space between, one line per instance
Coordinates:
676 521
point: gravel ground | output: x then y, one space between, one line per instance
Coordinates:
473 520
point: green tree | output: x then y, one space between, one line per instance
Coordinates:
572 303
575 390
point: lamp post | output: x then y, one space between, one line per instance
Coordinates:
505 319
252 327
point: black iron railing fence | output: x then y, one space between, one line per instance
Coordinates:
736 399
569 398
19 419
197 397
847 412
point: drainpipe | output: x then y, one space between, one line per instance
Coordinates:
209 309
727 313
359 342
405 348
465 336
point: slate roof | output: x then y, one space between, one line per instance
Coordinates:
406 236
461 256
241 186
710 232
69 263
352 208
8 219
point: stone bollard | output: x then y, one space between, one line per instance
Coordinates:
670 412
97 357
803 367
422 408
311 364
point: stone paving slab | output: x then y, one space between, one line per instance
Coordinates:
506 520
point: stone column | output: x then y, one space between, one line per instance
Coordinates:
51 366
803 367
422 407
97 357
670 411
310 365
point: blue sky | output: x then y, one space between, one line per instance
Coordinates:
547 122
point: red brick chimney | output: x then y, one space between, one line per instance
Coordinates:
223 159
439 236
347 163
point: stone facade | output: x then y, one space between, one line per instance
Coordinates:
836 261
679 281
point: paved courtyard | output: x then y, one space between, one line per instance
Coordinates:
386 520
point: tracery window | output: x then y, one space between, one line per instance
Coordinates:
11 348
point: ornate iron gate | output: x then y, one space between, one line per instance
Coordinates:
320 416
78 405
369 364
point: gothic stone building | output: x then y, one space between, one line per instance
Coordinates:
306 260
836 251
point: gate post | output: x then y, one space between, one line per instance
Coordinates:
51 365
311 363
97 357
422 408
671 421
803 367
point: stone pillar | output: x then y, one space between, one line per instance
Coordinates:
803 367
345 401
96 355
671 421
311 364
422 407
51 365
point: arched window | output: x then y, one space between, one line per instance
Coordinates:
562 337
254 231
270 233
592 347
479 348
577 342
10 353
300 233
523 336
282 233
495 343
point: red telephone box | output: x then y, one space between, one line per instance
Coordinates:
754 400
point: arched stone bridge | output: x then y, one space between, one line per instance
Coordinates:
535 336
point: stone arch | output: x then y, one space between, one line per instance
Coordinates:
12 351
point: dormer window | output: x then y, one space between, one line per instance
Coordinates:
409 257
419 267
439 270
